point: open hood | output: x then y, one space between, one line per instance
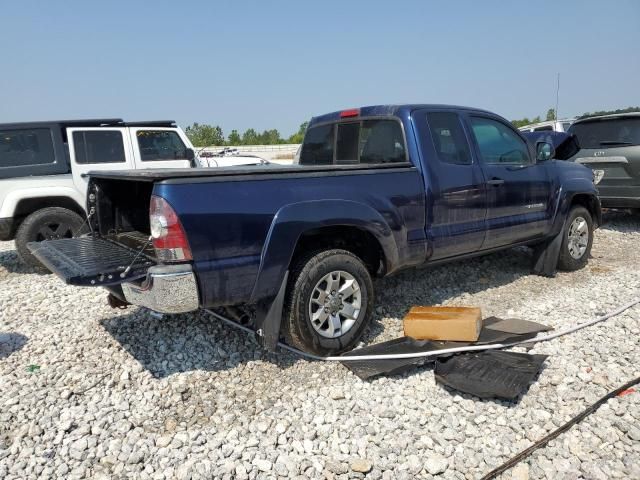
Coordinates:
565 145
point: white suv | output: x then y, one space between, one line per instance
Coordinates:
43 167
549 125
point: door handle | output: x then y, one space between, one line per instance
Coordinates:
495 182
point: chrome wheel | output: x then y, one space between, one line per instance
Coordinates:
578 237
335 304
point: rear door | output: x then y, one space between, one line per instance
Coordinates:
155 147
456 192
519 190
98 148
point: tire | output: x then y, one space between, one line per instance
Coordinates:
308 286
577 239
46 224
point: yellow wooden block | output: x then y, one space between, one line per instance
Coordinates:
460 324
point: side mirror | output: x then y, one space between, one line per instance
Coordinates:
544 151
190 154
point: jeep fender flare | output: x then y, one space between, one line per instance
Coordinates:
14 197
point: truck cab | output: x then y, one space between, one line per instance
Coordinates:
44 167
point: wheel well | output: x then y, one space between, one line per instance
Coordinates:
590 203
355 240
27 206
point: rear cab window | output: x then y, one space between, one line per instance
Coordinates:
448 138
367 141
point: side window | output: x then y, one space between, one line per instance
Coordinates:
160 145
448 138
21 148
99 147
499 145
381 141
347 143
317 148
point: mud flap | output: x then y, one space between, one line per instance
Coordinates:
269 317
545 256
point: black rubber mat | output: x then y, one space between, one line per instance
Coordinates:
490 374
91 261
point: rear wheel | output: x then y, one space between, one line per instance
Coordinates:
577 240
46 224
329 301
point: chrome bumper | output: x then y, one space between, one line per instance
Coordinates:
166 289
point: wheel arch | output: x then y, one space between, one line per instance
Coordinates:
591 203
316 224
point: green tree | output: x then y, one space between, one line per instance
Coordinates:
299 135
551 114
269 137
250 137
610 112
205 135
520 123
234 138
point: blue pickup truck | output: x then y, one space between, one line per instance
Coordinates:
378 189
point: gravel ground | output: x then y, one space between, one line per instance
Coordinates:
86 391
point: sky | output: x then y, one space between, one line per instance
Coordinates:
274 64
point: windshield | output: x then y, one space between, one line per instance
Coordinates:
607 133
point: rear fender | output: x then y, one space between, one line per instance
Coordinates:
290 223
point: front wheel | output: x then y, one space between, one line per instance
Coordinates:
329 302
577 240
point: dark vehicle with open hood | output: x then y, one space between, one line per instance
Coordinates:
378 189
610 146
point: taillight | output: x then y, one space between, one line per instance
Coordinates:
169 239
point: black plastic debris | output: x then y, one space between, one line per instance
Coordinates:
494 330
366 369
489 374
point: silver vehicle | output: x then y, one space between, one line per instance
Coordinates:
549 126
610 146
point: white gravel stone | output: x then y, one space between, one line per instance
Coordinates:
91 392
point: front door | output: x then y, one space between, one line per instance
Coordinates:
155 147
455 186
519 190
97 148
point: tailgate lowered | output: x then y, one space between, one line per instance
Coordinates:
91 261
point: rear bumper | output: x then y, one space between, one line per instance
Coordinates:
166 289
620 202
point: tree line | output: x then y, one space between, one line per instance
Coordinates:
551 115
202 135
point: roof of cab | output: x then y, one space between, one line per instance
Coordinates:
390 110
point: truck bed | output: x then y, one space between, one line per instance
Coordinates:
156 175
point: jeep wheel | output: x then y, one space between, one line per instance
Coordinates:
577 240
329 301
47 224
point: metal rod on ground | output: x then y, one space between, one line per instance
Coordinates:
543 441
469 348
